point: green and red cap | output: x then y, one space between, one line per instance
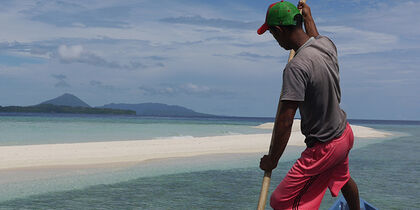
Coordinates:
280 13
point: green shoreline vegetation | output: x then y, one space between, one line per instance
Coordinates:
49 108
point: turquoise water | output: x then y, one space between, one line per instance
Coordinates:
386 171
47 129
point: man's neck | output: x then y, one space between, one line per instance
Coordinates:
299 38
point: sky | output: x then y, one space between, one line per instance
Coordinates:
204 55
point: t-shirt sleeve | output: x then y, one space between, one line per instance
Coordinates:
294 84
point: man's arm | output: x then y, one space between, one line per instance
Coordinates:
310 26
281 132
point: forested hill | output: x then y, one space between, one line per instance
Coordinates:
158 109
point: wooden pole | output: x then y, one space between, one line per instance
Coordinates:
267 175
264 190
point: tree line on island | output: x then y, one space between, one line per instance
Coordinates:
68 103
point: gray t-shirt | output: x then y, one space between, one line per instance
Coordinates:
312 78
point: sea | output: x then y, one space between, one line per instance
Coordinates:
387 170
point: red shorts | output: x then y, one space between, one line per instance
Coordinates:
321 166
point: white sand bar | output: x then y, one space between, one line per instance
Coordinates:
359 131
49 155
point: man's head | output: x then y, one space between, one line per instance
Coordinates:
282 20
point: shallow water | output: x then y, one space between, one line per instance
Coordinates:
386 171
48 129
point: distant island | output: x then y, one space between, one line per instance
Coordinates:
158 109
50 108
68 103
67 100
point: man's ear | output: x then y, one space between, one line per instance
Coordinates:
279 28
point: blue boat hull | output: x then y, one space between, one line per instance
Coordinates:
341 204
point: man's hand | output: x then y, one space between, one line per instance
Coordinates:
306 10
308 20
267 163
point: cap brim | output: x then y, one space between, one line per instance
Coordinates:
262 29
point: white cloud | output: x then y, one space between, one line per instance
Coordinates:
195 88
396 17
184 89
70 52
356 41
78 54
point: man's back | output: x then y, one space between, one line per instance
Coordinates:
312 77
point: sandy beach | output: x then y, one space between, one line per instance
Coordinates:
79 154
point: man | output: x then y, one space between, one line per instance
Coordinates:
310 83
